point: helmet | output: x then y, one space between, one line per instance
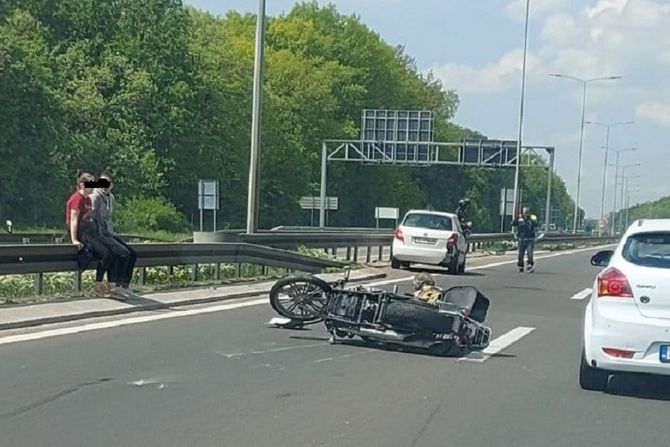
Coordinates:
423 279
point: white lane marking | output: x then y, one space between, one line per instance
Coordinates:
289 348
327 359
582 295
345 356
498 344
126 322
269 351
223 307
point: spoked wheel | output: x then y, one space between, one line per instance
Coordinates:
303 299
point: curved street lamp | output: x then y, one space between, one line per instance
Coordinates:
581 133
607 145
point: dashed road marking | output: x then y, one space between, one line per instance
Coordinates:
582 295
498 344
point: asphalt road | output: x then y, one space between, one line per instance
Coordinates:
223 379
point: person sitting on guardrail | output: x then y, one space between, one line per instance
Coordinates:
84 233
525 227
103 204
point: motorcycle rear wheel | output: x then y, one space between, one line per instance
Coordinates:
301 298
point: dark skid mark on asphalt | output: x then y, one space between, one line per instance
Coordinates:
52 398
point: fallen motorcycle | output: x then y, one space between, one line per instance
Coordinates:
454 326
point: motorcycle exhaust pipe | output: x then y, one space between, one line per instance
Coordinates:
385 335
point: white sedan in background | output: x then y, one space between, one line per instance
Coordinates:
432 238
627 321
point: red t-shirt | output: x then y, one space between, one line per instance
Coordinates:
80 202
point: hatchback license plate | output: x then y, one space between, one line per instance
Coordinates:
424 240
665 354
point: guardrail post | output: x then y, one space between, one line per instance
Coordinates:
77 281
39 283
356 254
368 254
348 253
381 253
143 276
239 270
264 270
217 271
170 272
194 273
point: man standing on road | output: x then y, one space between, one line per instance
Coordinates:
525 234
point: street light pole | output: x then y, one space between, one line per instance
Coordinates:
601 224
616 188
624 188
607 150
252 198
581 135
515 208
616 183
579 169
629 193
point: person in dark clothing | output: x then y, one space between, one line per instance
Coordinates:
103 204
85 234
525 227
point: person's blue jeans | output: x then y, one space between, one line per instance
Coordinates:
526 246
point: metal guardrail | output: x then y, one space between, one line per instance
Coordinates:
353 242
265 248
50 238
22 259
40 259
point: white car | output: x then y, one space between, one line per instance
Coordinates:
627 320
432 238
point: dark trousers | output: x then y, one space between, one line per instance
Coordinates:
122 270
526 246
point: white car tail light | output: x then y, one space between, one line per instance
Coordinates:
399 236
613 283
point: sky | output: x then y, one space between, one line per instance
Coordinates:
476 46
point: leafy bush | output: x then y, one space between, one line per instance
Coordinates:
313 252
149 214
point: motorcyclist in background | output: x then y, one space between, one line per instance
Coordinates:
460 211
466 225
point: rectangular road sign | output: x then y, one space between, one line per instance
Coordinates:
314 203
387 213
208 194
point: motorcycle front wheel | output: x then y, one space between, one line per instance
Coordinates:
300 298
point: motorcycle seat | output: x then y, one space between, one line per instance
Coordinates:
470 301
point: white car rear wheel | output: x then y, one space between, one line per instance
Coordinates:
590 378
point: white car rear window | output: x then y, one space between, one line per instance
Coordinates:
428 221
648 250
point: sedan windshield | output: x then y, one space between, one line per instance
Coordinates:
648 250
429 221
